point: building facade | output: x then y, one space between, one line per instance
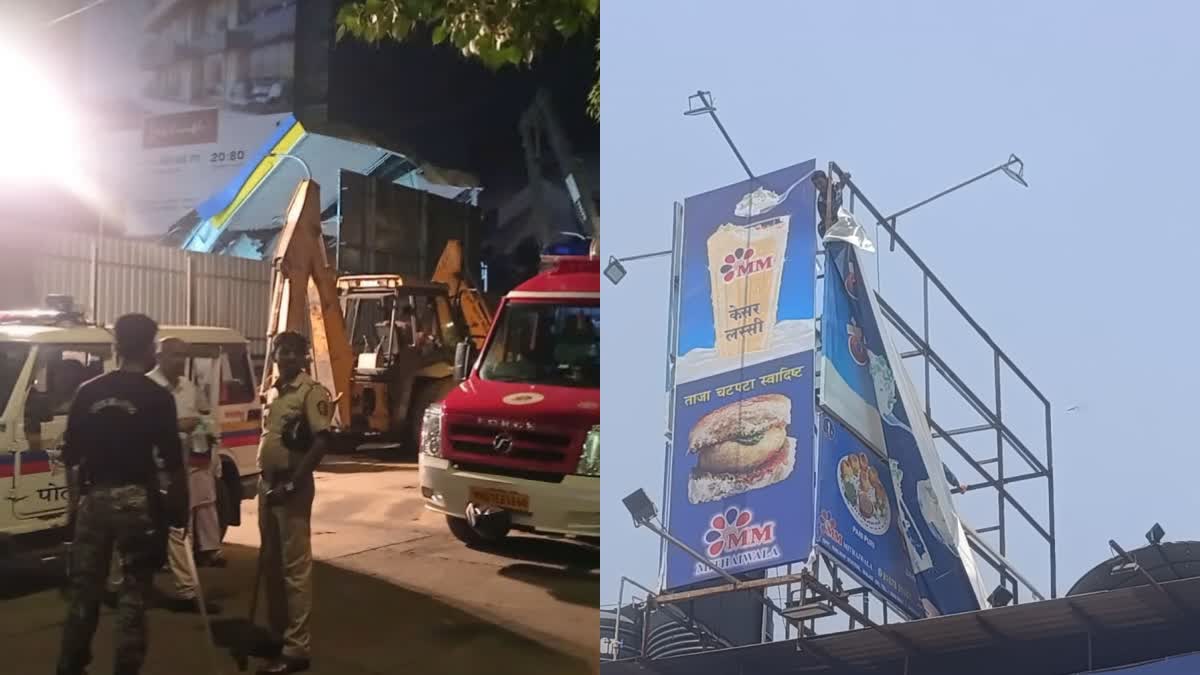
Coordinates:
232 54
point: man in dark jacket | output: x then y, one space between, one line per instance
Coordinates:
115 424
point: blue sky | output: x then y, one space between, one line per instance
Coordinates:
1082 278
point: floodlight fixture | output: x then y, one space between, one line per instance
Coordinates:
1155 535
700 103
1017 174
641 507
614 271
1000 597
706 107
1014 168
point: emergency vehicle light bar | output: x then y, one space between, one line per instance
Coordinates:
570 264
60 309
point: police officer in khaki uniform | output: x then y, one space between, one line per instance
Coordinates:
295 436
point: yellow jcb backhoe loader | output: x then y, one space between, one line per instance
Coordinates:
383 344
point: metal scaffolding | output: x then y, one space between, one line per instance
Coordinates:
1032 466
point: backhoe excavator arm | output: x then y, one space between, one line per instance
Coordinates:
450 271
540 121
304 283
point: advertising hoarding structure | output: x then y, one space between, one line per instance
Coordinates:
926 428
187 91
741 467
864 385
395 229
858 521
739 474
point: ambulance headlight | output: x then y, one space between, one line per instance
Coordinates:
431 431
589 459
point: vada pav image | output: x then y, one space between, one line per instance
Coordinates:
740 447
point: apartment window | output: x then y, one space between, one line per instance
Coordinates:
215 21
214 73
272 61
252 7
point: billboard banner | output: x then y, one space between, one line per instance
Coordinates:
864 386
857 517
184 94
739 480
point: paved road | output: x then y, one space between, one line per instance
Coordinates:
395 593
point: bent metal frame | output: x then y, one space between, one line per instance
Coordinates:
822 594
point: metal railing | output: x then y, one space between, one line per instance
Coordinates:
1007 441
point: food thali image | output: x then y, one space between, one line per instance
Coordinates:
864 494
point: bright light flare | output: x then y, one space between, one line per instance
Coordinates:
39 133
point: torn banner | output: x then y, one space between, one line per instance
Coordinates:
864 385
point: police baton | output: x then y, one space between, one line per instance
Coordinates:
241 653
201 604
74 487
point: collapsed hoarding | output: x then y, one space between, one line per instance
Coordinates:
192 104
187 92
396 229
858 517
864 387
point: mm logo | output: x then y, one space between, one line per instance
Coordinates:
742 263
827 426
829 528
735 530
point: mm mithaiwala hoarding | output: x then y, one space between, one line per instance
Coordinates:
858 517
740 488
897 483
188 90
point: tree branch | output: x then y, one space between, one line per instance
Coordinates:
497 33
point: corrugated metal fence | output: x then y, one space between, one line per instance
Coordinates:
110 277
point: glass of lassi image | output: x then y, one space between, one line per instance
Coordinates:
745 265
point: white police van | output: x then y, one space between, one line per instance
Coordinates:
45 355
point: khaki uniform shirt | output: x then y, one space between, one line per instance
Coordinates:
302 396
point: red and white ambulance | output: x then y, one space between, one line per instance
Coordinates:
516 445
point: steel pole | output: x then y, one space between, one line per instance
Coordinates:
706 98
